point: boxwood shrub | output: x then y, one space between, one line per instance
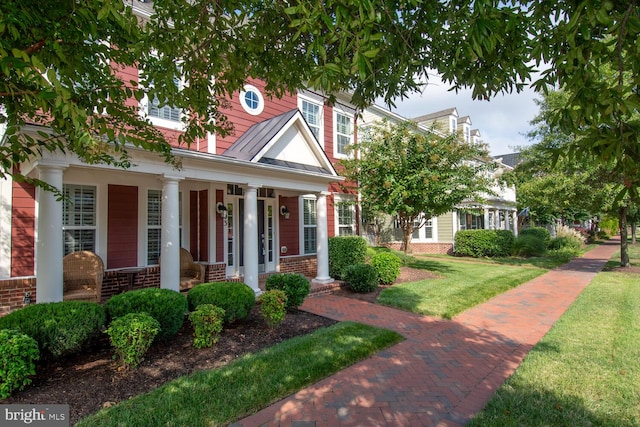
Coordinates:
294 285
484 243
18 354
59 328
207 322
235 298
166 306
361 278
344 251
387 265
131 335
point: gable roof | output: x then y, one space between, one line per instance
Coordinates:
437 115
511 159
284 140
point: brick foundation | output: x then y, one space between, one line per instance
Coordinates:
307 265
12 291
425 248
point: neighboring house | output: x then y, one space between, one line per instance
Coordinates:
497 211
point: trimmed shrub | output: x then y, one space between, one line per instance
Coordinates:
166 306
18 354
344 251
361 278
273 307
59 328
235 298
529 245
387 265
131 335
484 243
294 285
207 324
540 232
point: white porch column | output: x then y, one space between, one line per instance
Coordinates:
322 241
514 220
487 226
49 240
251 237
170 237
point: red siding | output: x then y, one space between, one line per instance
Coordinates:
243 120
23 219
122 233
289 232
199 225
204 225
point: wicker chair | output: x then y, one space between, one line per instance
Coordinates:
191 273
83 272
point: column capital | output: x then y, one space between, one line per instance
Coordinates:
324 193
50 164
252 186
170 178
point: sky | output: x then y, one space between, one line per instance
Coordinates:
503 121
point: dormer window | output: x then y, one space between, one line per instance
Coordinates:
467 133
453 124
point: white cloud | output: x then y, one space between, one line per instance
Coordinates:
502 121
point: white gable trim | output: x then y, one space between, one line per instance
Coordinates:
301 127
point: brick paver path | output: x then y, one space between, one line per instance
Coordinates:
445 371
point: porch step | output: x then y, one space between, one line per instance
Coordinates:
324 289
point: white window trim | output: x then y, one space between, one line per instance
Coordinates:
96 209
320 102
434 232
338 199
301 200
253 111
143 108
336 153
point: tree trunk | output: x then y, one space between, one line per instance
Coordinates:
406 238
624 244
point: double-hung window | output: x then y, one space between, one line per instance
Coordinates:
79 218
346 214
343 133
154 224
165 112
309 225
312 113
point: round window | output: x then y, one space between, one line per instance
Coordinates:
251 100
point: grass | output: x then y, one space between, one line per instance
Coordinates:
462 285
221 396
586 370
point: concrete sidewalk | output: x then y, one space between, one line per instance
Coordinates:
445 371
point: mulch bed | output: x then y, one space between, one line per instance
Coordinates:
92 380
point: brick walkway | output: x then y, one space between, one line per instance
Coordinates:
445 371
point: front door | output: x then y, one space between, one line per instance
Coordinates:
262 238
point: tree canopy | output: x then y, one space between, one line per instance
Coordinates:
555 186
415 175
59 62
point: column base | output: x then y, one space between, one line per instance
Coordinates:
322 280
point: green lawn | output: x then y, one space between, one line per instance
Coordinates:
463 284
586 370
221 396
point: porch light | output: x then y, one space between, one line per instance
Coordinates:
284 212
222 210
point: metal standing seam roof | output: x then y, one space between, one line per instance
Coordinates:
259 136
